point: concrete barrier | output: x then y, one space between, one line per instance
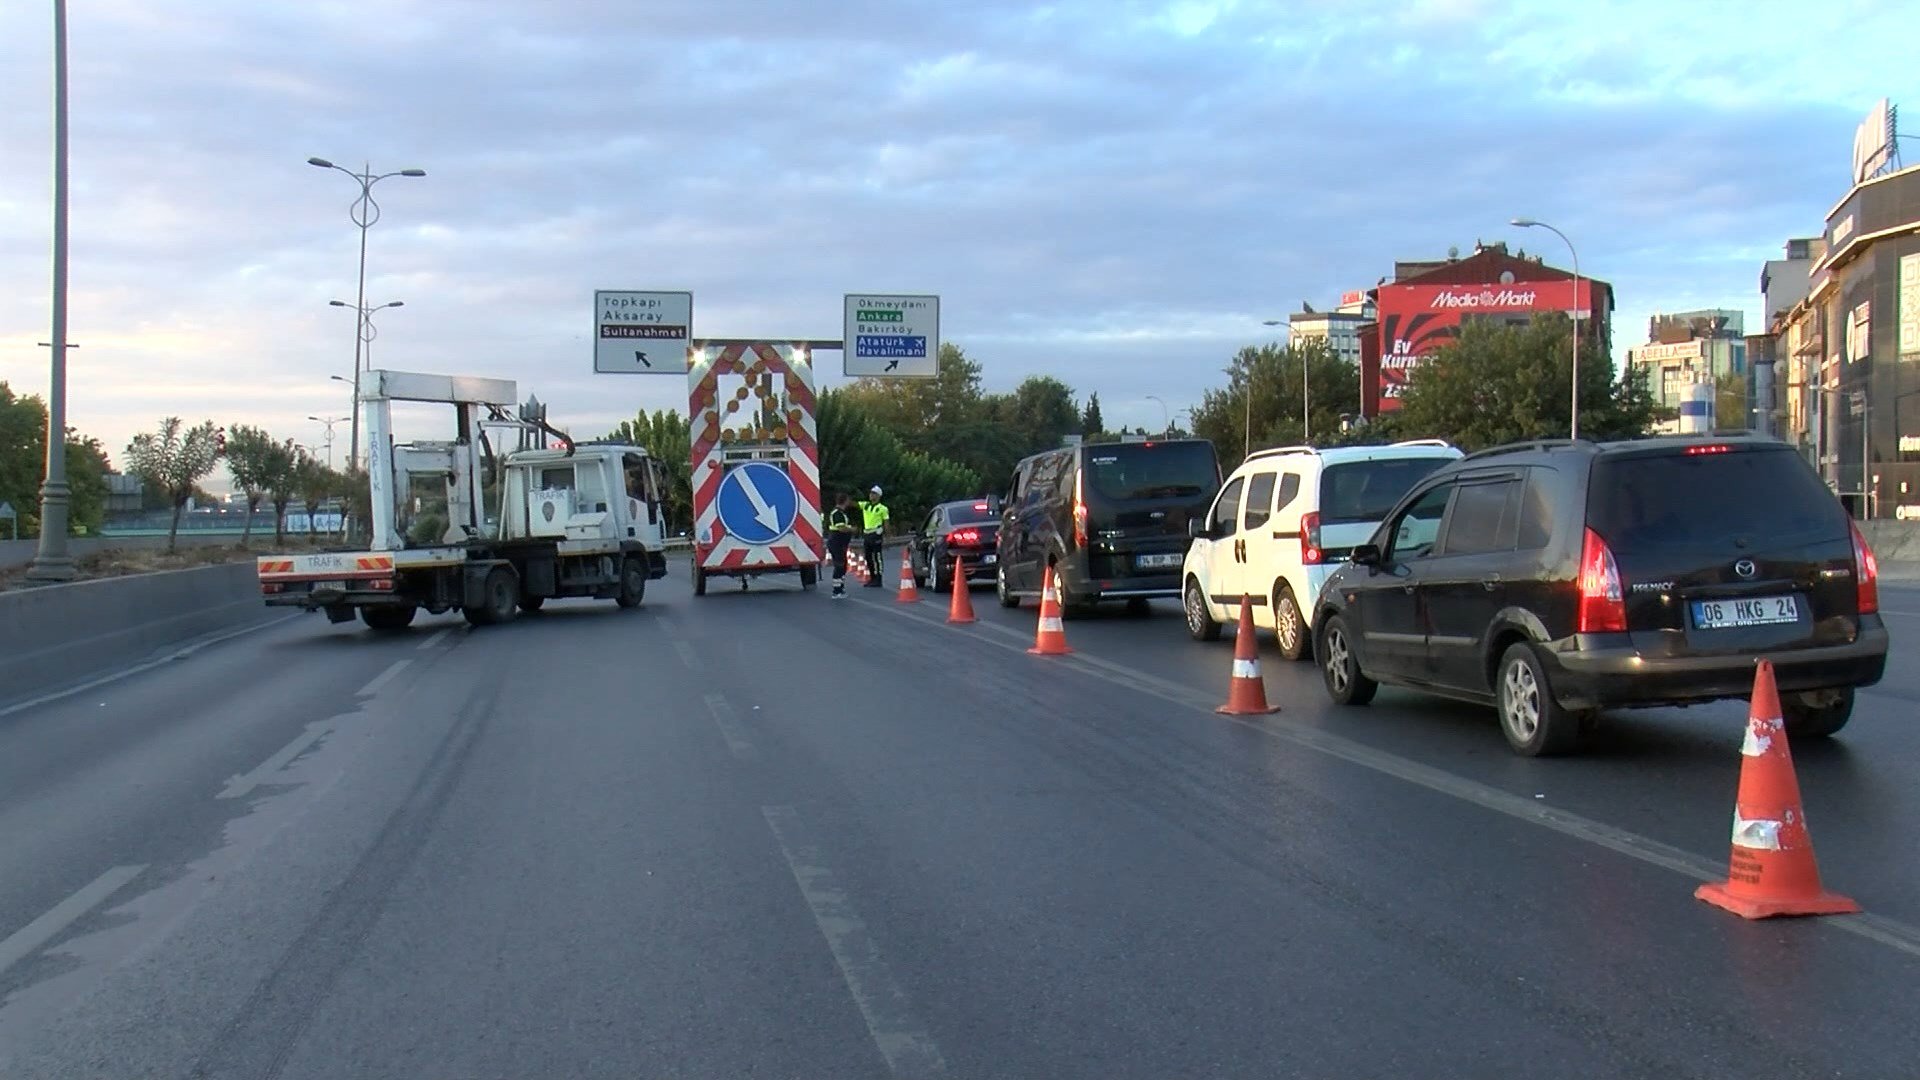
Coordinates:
60 634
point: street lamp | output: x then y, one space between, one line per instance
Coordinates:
1306 389
329 421
51 561
1573 424
367 330
364 213
1166 418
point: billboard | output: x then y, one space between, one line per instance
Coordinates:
1415 321
1873 142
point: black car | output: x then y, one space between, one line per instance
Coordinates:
1110 518
966 530
1556 579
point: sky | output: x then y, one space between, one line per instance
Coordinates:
1113 193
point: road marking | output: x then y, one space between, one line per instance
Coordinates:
148 665
728 722
438 636
1888 932
28 939
383 678
687 655
1902 614
241 785
905 1045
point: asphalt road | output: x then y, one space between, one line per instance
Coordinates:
768 835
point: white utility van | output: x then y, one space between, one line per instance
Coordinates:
1283 521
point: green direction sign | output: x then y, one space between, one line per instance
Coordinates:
871 315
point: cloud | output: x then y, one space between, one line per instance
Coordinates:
1117 193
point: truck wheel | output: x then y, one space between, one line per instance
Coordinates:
387 619
809 576
633 584
1816 714
531 604
699 582
500 599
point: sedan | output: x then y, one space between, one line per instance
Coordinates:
966 530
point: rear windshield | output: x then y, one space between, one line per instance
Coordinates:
1365 490
1682 501
1169 470
968 514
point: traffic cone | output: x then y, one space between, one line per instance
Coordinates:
1772 870
1246 690
1051 640
960 608
909 592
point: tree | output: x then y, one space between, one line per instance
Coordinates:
1041 410
317 483
1092 424
173 460
667 439
252 455
1272 375
23 466
857 451
283 482
1495 384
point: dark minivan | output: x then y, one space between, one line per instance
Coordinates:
1111 518
1554 580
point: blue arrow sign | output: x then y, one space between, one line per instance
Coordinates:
758 503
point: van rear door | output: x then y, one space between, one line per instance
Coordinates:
1139 498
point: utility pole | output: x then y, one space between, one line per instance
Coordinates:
51 561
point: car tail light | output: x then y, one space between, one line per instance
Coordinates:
964 536
1710 448
1079 512
1866 574
1311 553
1603 606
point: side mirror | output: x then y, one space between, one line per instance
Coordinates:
1196 528
1365 555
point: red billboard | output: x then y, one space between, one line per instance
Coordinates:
1415 321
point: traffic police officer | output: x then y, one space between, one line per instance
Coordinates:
840 534
874 515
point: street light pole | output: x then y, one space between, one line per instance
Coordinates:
1166 418
328 422
51 561
1306 390
1573 423
364 213
363 352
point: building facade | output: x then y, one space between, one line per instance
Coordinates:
1339 328
1422 309
1695 348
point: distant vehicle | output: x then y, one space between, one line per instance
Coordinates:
1281 525
966 529
1110 518
1553 580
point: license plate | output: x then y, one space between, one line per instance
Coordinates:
329 586
1157 562
989 560
1753 611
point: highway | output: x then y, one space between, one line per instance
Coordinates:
763 834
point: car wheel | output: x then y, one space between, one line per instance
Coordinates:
1200 623
387 619
1289 628
1340 668
1816 714
1139 607
1533 722
633 584
1007 599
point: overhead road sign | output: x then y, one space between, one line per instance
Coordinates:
892 336
641 333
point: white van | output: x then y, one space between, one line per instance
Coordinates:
1282 523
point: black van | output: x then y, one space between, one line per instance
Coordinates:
1111 518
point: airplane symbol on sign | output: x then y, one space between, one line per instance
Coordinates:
891 364
642 357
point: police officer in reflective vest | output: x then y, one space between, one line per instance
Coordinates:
874 515
840 533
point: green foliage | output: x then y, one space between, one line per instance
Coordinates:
857 451
283 483
252 455
1497 384
174 460
1092 424
1272 374
668 438
23 466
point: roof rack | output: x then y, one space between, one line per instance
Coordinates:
1424 442
1522 447
1276 451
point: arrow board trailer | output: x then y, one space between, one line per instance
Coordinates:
473 525
756 462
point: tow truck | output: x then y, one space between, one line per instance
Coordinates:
550 518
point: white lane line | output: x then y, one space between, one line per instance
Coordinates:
383 678
241 785
1884 931
438 637
728 722
149 665
905 1045
28 939
687 655
1902 614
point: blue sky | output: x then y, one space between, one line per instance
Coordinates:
1114 193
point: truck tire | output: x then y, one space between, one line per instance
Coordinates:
531 604
809 576
500 599
699 582
388 620
633 583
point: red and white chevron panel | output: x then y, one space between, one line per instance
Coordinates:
731 390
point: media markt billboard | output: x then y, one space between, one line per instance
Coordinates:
895 337
1418 320
641 333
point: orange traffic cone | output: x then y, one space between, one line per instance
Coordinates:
1772 871
1051 640
909 589
1246 690
960 609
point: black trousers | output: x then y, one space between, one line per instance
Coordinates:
837 545
876 573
